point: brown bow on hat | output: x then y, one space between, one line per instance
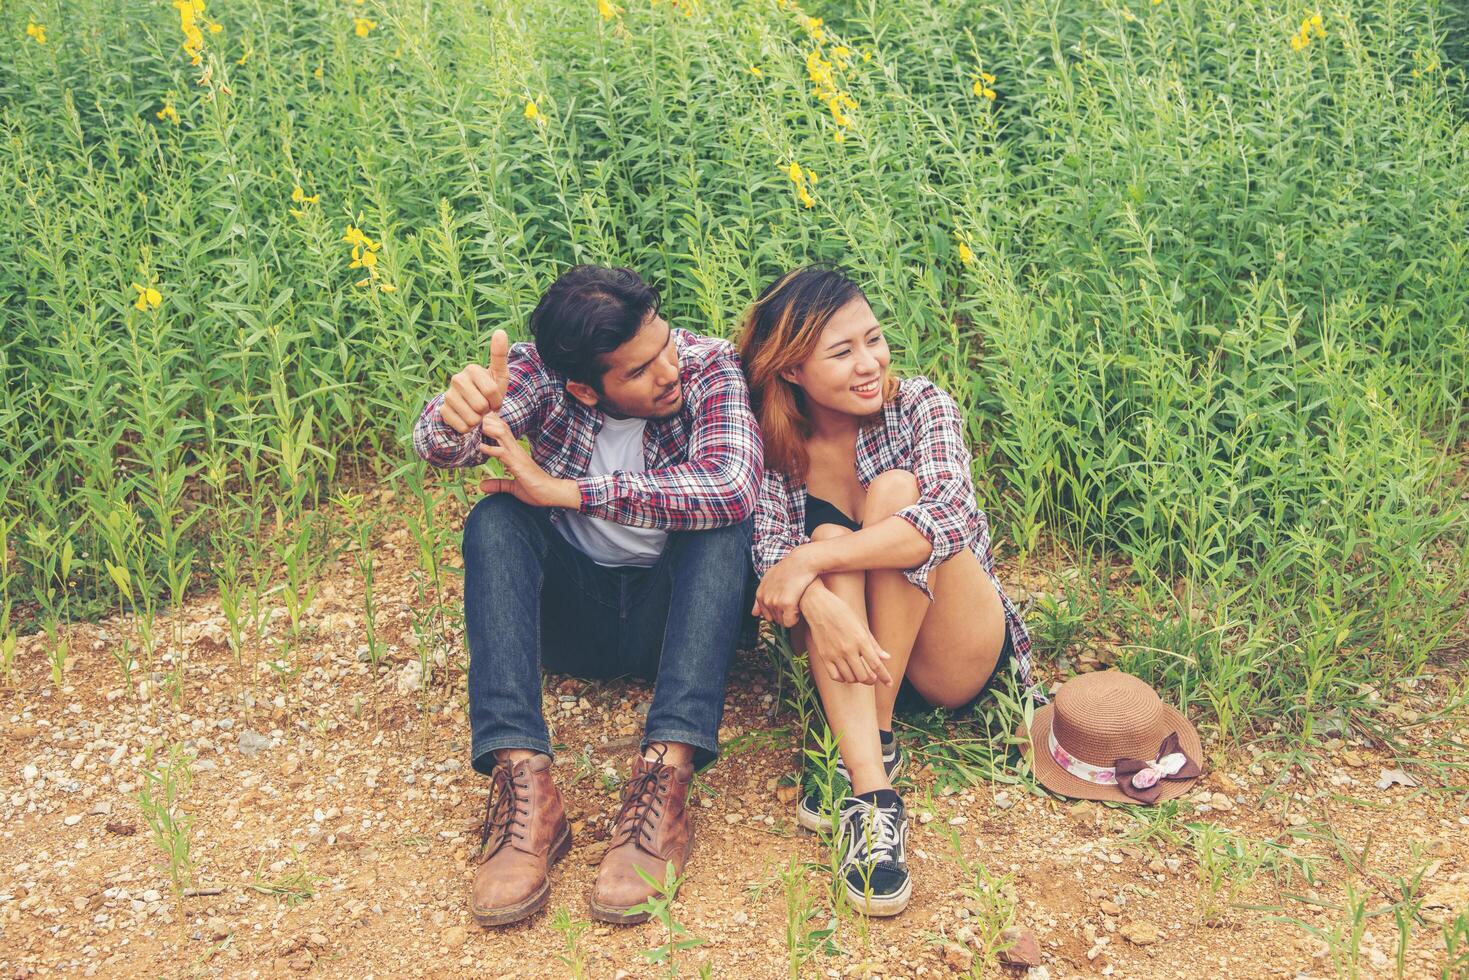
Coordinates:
1108 736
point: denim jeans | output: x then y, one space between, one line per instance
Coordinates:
533 601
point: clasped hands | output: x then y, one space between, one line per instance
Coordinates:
839 641
473 400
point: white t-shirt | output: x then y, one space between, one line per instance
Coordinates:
619 446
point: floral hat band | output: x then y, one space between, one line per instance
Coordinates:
1138 779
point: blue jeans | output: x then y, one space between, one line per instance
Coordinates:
531 600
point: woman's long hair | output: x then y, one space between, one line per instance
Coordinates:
779 331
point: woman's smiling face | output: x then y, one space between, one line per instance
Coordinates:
847 370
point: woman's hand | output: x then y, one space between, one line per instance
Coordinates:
779 597
839 641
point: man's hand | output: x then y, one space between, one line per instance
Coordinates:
527 481
475 392
778 598
840 642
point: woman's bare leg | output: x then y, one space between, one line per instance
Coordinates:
851 709
959 643
896 608
948 647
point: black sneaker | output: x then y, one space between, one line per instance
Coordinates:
815 817
873 842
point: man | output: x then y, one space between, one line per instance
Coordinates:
619 544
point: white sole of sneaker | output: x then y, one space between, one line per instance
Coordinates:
880 907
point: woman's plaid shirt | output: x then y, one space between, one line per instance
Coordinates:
920 431
703 464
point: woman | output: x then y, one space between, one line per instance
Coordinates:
870 549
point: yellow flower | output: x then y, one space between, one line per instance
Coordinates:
363 25
866 55
37 31
388 287
298 215
317 73
987 78
1296 43
245 57
755 70
1318 25
794 172
966 254
168 112
215 28
838 137
533 112
607 10
357 239
299 197
148 298
811 176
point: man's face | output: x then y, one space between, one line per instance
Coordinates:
641 379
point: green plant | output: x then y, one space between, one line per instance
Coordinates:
659 906
803 941
291 887
160 799
571 931
991 901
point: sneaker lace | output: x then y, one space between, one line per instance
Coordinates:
507 810
642 803
870 832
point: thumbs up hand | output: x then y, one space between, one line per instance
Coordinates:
477 391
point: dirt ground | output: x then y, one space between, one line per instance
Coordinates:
350 785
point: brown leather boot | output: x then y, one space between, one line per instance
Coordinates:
525 832
652 828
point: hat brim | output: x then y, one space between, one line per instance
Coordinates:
1048 771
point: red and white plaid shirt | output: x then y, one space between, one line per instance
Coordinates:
921 432
703 464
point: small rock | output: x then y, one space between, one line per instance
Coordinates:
120 828
152 895
1082 814
252 743
957 958
1221 802
72 820
1110 908
1140 932
455 937
1394 777
1022 948
1004 800
787 794
740 919
1038 973
30 773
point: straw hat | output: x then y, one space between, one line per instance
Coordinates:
1108 736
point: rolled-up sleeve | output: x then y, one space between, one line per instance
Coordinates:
774 533
437 442
718 482
945 513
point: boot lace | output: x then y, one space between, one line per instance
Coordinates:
642 805
507 811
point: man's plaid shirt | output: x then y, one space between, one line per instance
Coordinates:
703 464
920 431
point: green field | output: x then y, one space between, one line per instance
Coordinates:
1201 291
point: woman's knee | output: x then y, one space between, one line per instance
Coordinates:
828 532
888 493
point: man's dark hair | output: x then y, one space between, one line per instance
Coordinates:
590 311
